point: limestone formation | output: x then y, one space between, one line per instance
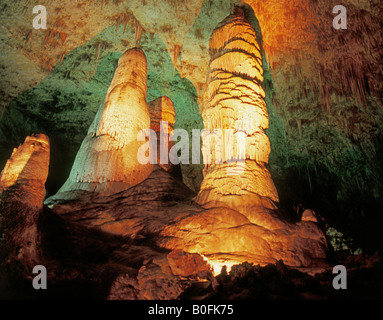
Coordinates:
241 221
146 208
22 192
27 170
107 160
234 100
162 110
225 236
163 277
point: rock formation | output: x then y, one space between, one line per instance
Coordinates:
26 171
116 261
120 230
161 278
22 192
241 221
162 110
234 100
107 160
142 210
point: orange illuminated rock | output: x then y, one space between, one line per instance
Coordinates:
234 217
107 161
225 236
27 170
22 192
162 110
240 221
163 277
234 100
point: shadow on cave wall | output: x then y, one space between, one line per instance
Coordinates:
345 186
82 262
328 170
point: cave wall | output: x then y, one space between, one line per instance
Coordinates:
323 89
325 110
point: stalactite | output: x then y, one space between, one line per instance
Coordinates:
63 37
326 96
176 53
122 18
349 80
138 33
62 57
98 52
299 124
48 63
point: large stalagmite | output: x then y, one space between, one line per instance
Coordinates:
107 160
234 100
240 221
163 117
22 192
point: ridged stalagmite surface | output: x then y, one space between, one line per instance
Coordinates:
107 160
234 100
240 221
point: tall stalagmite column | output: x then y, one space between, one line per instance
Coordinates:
163 117
240 220
107 160
234 100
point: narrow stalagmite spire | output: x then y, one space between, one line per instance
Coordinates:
107 160
234 100
162 110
